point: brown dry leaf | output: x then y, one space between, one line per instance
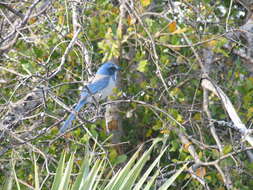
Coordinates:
32 20
201 172
165 131
115 10
67 135
130 20
176 48
186 146
70 35
221 188
180 31
211 43
172 26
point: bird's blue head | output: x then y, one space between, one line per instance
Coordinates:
108 68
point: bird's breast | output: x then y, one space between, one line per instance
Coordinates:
108 91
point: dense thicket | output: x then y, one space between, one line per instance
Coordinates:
186 78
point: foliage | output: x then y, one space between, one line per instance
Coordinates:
94 168
160 95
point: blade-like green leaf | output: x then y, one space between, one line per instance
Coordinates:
8 185
127 176
13 163
59 172
66 176
135 171
139 185
119 178
83 174
109 179
168 183
99 176
151 181
90 180
36 174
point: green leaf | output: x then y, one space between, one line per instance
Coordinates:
145 3
126 178
120 159
59 172
83 173
13 163
90 180
8 185
66 175
228 148
36 173
38 52
168 183
142 67
151 180
149 170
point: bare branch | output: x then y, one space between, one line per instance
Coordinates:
12 10
207 84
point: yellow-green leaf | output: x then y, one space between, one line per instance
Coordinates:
142 67
228 148
61 20
145 3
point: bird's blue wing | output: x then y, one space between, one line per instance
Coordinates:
94 88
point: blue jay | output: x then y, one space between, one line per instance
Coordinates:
100 87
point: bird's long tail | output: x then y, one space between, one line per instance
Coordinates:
72 116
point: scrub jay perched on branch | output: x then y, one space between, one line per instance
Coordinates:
101 87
